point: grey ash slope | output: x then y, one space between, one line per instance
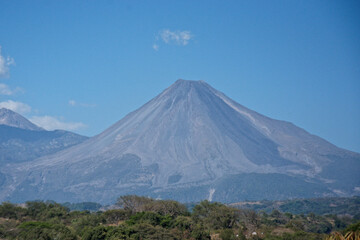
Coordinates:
23 141
189 143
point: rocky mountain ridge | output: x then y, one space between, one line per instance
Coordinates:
23 141
13 119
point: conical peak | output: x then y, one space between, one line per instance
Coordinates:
184 83
188 81
184 87
181 83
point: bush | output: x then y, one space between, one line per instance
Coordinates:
116 215
227 234
214 215
44 230
97 233
8 210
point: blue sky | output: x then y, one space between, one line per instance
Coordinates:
83 65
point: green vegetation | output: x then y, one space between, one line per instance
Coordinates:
320 206
90 206
145 218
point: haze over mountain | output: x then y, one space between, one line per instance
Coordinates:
189 143
23 141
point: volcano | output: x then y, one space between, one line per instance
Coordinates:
191 142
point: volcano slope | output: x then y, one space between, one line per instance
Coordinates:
191 142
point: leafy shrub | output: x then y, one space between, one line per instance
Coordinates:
44 230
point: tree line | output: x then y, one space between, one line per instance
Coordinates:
137 217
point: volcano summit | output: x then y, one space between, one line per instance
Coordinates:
191 142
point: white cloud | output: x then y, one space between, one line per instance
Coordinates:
52 123
4 64
176 37
172 37
74 103
18 107
6 90
155 47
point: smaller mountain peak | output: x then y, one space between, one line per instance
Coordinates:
5 110
13 119
189 81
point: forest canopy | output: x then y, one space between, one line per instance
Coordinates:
137 217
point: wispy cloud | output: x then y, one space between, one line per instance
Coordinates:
74 103
177 37
18 107
5 62
155 47
6 90
53 123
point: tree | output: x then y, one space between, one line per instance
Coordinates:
136 204
166 207
227 234
8 210
116 215
214 215
133 203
